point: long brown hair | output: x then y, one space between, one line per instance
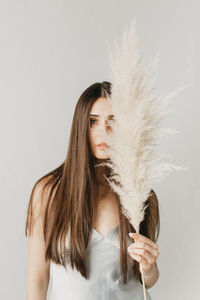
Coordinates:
68 198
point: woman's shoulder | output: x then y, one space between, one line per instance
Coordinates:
39 199
41 192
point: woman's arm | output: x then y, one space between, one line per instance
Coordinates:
38 268
36 291
151 276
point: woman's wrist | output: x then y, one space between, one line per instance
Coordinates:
151 275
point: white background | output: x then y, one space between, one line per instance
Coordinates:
50 51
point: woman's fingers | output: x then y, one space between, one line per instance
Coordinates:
145 254
143 249
143 238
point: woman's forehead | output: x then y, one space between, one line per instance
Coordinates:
101 108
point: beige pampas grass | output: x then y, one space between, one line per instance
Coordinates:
134 162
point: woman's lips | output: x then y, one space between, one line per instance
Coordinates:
102 146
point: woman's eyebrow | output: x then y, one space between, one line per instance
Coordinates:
98 115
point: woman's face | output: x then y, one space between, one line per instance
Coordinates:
99 115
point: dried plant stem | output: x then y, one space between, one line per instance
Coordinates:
143 284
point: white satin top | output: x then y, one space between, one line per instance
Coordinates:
105 281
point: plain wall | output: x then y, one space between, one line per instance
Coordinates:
50 51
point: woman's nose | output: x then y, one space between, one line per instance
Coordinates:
104 125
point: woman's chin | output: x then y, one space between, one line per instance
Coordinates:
101 155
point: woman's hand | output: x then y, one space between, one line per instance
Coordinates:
145 251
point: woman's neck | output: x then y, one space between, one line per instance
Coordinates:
100 172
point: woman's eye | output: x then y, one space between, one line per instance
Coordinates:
110 121
92 121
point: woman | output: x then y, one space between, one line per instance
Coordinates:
79 241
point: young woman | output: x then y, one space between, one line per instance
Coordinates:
79 246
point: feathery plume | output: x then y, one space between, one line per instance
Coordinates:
135 164
133 160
